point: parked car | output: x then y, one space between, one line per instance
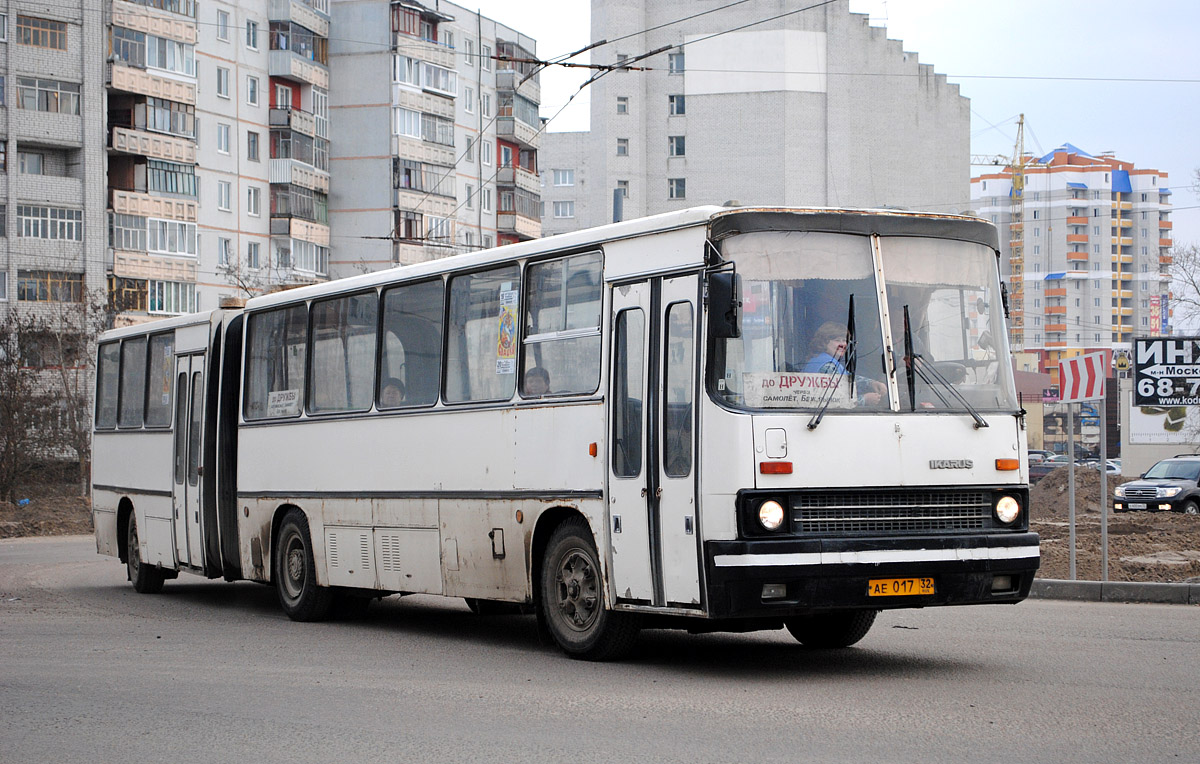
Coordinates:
1171 485
1037 455
1114 465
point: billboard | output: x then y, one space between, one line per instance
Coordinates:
1166 371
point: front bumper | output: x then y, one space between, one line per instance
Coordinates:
1150 505
830 574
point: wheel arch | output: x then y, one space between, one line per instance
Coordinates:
542 531
276 521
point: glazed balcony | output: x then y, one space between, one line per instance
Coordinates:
299 13
511 80
296 172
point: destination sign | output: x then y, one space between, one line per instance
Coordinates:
1166 371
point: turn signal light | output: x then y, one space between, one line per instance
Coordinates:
1008 465
775 468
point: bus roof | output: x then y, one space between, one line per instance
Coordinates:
578 240
150 327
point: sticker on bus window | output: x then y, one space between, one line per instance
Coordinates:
780 390
283 403
506 344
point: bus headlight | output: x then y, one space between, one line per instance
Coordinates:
1008 509
770 515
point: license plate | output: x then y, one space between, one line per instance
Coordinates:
1137 505
899 587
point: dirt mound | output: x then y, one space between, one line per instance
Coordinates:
48 516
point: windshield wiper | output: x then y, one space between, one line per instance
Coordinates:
918 366
846 368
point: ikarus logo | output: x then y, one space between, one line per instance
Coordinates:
951 464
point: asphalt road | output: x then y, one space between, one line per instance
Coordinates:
91 671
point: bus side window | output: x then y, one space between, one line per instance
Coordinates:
412 345
677 385
275 363
133 383
628 341
562 327
481 361
162 371
107 377
343 353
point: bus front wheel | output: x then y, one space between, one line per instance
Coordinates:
831 630
573 598
295 572
146 579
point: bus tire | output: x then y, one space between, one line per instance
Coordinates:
572 589
831 630
146 579
295 572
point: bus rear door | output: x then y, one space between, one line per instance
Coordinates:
189 412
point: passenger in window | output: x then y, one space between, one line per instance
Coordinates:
537 382
392 393
828 347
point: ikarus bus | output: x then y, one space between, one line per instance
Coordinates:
712 419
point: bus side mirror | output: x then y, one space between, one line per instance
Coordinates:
723 305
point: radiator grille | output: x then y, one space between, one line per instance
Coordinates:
890 512
1141 493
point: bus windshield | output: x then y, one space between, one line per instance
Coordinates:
813 334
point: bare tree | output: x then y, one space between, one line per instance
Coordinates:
1185 271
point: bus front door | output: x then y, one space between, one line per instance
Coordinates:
655 558
189 410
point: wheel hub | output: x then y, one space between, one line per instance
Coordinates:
578 598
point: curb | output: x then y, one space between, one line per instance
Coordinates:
1115 591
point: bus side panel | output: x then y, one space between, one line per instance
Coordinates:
104 521
138 465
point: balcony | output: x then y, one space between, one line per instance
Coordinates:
1165 224
150 20
293 66
1122 258
298 173
154 145
1126 222
146 205
1077 257
131 80
521 178
1077 238
140 265
1126 205
304 230
513 129
299 13
1125 294
426 50
519 225
1056 310
1126 241
1122 311
426 203
1056 292
1165 242
1166 260
1056 344
511 80
1056 328
1077 220
300 121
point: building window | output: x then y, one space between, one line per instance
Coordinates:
470 200
622 147
3 27
127 232
222 82
564 209
223 194
170 55
486 102
224 250
223 25
253 252
469 51
406 122
41 33
486 58
170 177
564 177
487 241
253 201
252 146
252 35
171 237
469 100
129 47
487 199
676 145
223 138
49 223
252 91
675 62
486 153
49 286
3 286
171 297
30 163
677 188
676 105
47 95
622 104
169 117
623 187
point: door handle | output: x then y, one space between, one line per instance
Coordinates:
643 492
658 492
200 470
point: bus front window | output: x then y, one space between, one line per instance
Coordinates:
811 334
956 325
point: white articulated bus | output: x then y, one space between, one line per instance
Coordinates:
712 419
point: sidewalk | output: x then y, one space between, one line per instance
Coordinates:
1115 591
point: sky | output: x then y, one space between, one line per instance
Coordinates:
1104 75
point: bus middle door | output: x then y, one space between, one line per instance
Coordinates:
189 411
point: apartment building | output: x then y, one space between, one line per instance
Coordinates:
444 118
814 107
1087 253
52 222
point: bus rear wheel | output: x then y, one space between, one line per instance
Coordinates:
573 598
146 579
831 630
295 572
